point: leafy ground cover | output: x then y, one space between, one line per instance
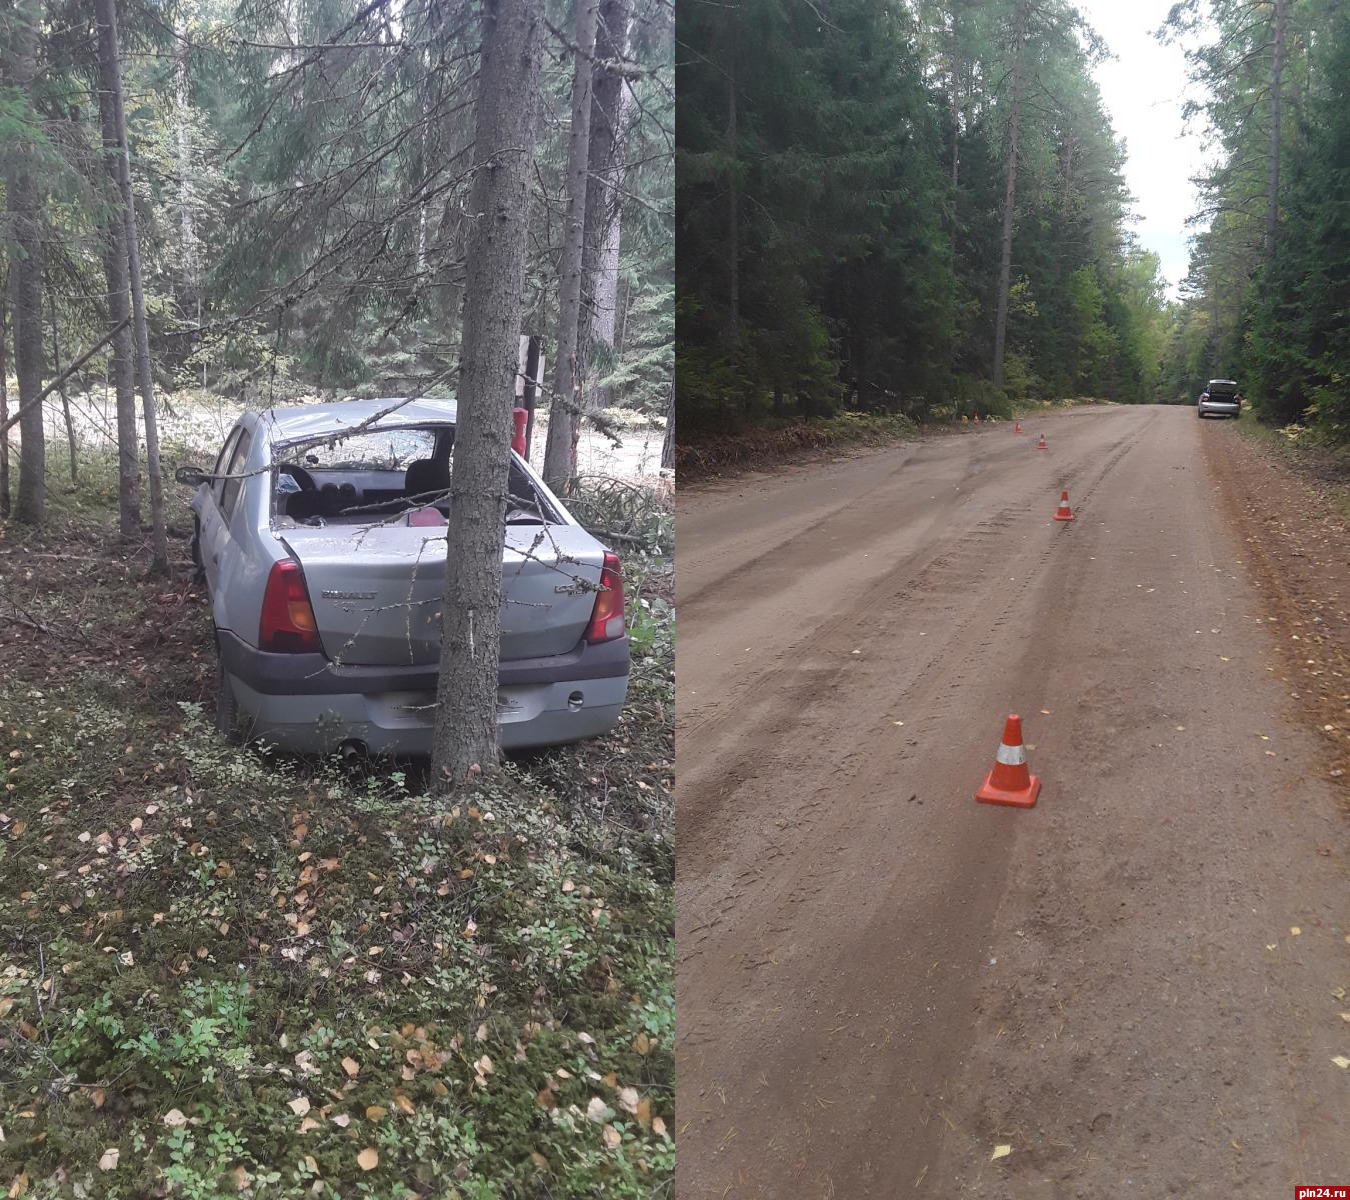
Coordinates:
227 972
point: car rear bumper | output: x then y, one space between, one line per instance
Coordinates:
306 704
1214 408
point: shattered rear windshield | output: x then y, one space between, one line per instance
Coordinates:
373 450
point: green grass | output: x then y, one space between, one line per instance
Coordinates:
251 974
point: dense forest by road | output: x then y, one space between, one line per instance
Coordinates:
920 209
897 206
1269 284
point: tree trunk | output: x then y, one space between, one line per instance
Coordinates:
4 394
1010 190
111 73
1273 183
955 100
61 388
604 201
564 414
733 218
119 303
26 221
465 737
190 299
668 443
530 394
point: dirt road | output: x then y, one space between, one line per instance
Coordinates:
878 980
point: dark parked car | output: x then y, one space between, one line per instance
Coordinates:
1221 398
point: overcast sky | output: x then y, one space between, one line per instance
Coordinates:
1144 87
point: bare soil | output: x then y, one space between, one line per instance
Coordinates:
1136 986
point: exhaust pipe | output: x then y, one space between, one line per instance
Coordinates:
353 750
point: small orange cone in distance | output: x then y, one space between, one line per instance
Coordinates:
1017 426
1041 444
977 418
1010 783
1065 512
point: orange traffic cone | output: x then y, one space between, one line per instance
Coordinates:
1017 426
1041 444
1065 512
977 418
1010 783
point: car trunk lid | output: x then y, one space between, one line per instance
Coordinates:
377 591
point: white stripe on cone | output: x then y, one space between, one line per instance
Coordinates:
1011 756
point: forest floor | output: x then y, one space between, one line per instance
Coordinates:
1137 987
225 971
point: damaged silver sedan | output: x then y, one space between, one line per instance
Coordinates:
320 533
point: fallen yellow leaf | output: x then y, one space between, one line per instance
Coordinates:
1000 1152
368 1159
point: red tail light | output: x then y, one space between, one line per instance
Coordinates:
288 625
607 617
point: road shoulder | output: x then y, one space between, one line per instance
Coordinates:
1295 535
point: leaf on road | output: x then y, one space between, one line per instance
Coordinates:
1000 1152
1341 1061
299 1106
368 1159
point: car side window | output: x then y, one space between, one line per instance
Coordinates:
218 484
229 495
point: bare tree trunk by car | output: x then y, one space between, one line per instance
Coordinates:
464 741
26 220
119 302
530 392
566 409
604 197
111 79
1009 195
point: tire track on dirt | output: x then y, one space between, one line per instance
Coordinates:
814 966
810 670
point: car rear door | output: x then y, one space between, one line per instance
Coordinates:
223 504
208 511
